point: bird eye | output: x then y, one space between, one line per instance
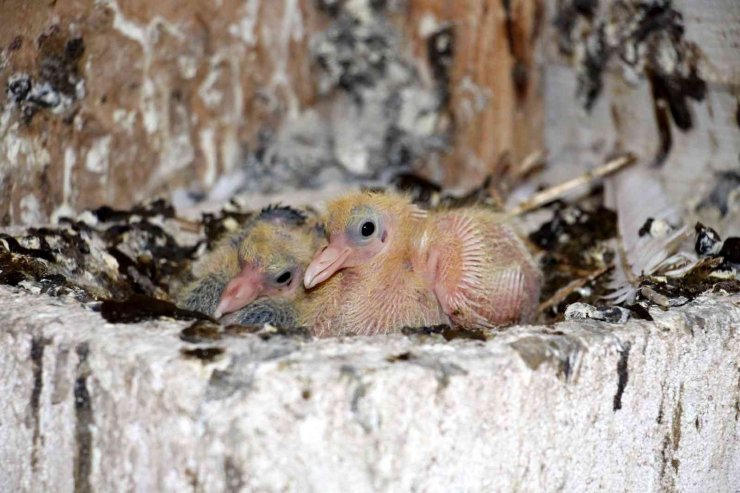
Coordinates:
367 229
284 277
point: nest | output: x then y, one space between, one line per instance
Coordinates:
128 264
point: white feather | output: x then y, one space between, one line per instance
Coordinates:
637 194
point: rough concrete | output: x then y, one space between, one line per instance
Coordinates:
580 406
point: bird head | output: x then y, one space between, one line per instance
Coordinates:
273 253
361 227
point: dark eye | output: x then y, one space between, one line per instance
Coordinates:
283 278
367 229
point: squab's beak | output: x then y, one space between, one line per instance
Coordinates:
240 291
326 263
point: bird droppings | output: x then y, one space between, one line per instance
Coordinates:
453 333
204 354
139 256
583 311
657 228
219 224
709 274
102 255
646 40
268 331
424 331
58 83
158 207
447 332
12 245
205 331
575 246
579 250
130 263
708 242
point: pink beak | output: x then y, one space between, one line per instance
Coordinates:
240 291
326 263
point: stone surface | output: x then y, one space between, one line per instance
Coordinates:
580 406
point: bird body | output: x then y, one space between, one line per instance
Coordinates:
253 276
371 302
389 264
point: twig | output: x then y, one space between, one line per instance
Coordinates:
188 225
546 196
562 293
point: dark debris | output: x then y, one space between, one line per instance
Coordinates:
703 277
107 255
204 354
76 259
730 253
429 194
707 242
201 331
643 33
447 332
139 308
575 246
220 224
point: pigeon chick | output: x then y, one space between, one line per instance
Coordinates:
254 276
389 264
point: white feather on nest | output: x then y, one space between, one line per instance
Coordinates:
637 194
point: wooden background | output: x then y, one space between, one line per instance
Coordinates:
176 91
159 95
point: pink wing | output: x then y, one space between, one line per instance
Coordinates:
480 270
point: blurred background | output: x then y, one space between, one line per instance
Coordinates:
116 102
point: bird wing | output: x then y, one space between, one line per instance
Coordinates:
479 270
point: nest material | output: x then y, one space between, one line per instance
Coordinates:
133 261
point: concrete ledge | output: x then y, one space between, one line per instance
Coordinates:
581 406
